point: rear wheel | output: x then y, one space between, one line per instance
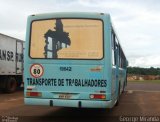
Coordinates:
11 85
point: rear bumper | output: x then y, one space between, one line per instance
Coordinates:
69 103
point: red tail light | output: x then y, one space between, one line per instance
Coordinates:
33 94
97 96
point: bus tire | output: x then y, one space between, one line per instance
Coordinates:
118 97
11 85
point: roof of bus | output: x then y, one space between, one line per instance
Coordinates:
71 14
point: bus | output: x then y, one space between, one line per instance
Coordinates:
73 60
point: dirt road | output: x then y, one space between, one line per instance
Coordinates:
138 100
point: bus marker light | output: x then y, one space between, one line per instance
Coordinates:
96 69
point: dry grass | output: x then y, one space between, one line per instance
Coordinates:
145 81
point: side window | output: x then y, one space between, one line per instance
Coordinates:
120 57
123 61
116 46
113 49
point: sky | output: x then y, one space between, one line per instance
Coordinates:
137 22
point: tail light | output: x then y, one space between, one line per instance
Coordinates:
97 96
33 94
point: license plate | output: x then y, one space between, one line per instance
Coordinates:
65 96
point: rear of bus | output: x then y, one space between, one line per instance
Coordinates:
67 60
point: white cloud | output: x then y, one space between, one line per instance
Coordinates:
147 61
137 22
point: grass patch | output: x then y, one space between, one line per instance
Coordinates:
144 81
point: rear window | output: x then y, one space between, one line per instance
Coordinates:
67 39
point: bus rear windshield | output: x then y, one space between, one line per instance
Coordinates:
67 39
